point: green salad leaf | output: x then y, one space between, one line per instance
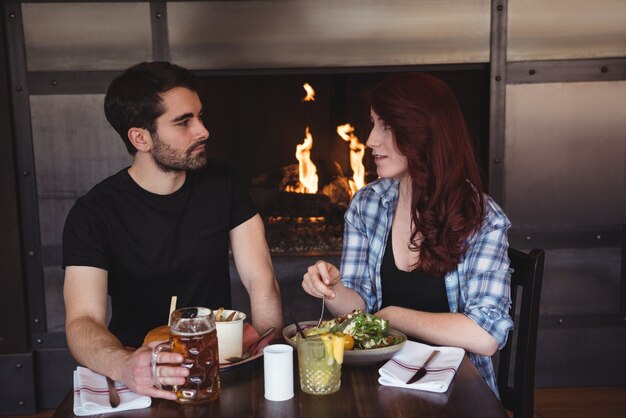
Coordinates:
368 331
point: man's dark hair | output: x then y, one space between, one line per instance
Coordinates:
133 100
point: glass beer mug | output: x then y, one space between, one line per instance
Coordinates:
192 334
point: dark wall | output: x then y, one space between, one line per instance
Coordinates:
13 329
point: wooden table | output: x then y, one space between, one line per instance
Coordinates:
360 396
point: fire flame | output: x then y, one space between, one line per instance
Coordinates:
310 93
307 170
357 151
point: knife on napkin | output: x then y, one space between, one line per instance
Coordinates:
114 398
91 395
421 372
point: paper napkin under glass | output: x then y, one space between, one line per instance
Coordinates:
91 395
403 365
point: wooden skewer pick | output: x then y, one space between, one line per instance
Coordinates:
172 309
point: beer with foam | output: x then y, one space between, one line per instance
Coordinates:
193 335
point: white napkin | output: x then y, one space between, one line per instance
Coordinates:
91 395
401 367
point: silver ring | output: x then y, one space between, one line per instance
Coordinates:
153 362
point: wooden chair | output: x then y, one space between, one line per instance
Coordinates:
517 384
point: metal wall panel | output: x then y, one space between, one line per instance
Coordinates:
53 373
13 332
86 36
55 305
566 29
326 33
74 149
17 381
581 357
565 154
581 281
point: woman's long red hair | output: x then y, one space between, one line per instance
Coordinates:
447 199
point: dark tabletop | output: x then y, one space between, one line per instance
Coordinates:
360 396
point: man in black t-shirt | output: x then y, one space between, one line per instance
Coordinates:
157 229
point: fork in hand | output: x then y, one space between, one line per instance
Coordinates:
322 314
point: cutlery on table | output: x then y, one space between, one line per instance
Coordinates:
114 397
421 372
251 348
297 324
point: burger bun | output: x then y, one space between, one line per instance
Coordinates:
161 333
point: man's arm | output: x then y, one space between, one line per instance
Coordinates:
92 345
254 265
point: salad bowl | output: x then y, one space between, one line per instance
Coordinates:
355 357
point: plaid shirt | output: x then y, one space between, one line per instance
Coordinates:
479 287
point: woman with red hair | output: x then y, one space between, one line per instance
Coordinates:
424 247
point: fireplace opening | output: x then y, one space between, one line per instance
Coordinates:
263 125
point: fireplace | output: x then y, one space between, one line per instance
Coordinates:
257 121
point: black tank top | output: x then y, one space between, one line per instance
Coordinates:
413 290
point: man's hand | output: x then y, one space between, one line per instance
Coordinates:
137 372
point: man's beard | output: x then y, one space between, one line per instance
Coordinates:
169 159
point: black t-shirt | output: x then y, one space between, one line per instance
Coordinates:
414 289
155 247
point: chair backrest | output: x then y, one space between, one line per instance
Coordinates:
518 397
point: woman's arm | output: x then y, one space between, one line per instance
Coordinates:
450 329
350 289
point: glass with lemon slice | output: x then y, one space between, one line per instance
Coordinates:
319 360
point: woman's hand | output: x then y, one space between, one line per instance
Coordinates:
320 279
